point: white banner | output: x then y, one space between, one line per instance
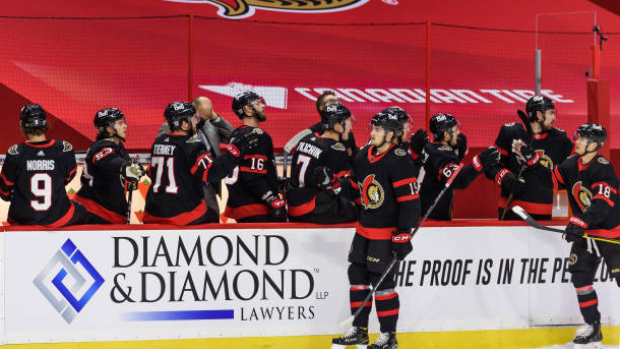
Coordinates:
166 284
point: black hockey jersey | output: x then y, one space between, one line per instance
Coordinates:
103 188
33 179
553 147
441 162
351 147
592 192
250 181
388 192
314 151
180 165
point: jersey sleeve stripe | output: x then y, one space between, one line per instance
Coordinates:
501 150
342 174
558 175
5 194
102 154
354 185
249 169
403 182
197 163
407 197
8 183
599 196
593 186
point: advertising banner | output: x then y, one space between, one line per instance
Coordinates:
168 284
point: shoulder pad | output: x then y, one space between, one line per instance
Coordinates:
400 152
193 139
66 146
602 160
339 146
445 148
13 150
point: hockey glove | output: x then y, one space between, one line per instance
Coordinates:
417 142
509 182
278 211
324 177
132 172
525 154
574 230
461 146
401 243
244 142
486 159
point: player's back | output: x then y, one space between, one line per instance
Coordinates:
38 173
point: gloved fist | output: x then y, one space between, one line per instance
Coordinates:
574 230
461 146
510 182
244 141
401 243
486 159
132 172
418 141
525 153
324 177
277 204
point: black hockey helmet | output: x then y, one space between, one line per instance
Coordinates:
593 133
176 112
538 103
243 99
388 121
400 113
107 117
441 122
333 114
32 115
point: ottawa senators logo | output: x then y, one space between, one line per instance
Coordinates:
371 192
544 160
245 8
582 195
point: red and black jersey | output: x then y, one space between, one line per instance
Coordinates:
252 180
592 191
440 164
553 147
103 188
351 147
388 192
314 151
180 165
33 179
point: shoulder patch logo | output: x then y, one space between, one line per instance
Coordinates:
339 146
66 146
13 150
603 161
258 131
371 192
193 139
400 152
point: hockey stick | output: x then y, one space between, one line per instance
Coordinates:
129 197
531 221
349 321
528 128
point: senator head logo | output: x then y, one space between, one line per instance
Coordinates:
246 8
371 192
582 195
68 281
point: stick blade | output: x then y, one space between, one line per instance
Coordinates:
346 324
519 211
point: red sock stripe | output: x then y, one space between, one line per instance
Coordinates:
386 297
359 304
588 303
584 288
387 313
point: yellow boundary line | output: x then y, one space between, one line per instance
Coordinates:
504 339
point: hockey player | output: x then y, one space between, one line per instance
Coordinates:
551 145
35 174
442 158
318 164
391 208
180 165
108 171
592 187
253 186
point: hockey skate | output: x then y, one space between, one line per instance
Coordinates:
387 340
356 336
588 336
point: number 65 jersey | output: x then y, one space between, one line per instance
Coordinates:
33 179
